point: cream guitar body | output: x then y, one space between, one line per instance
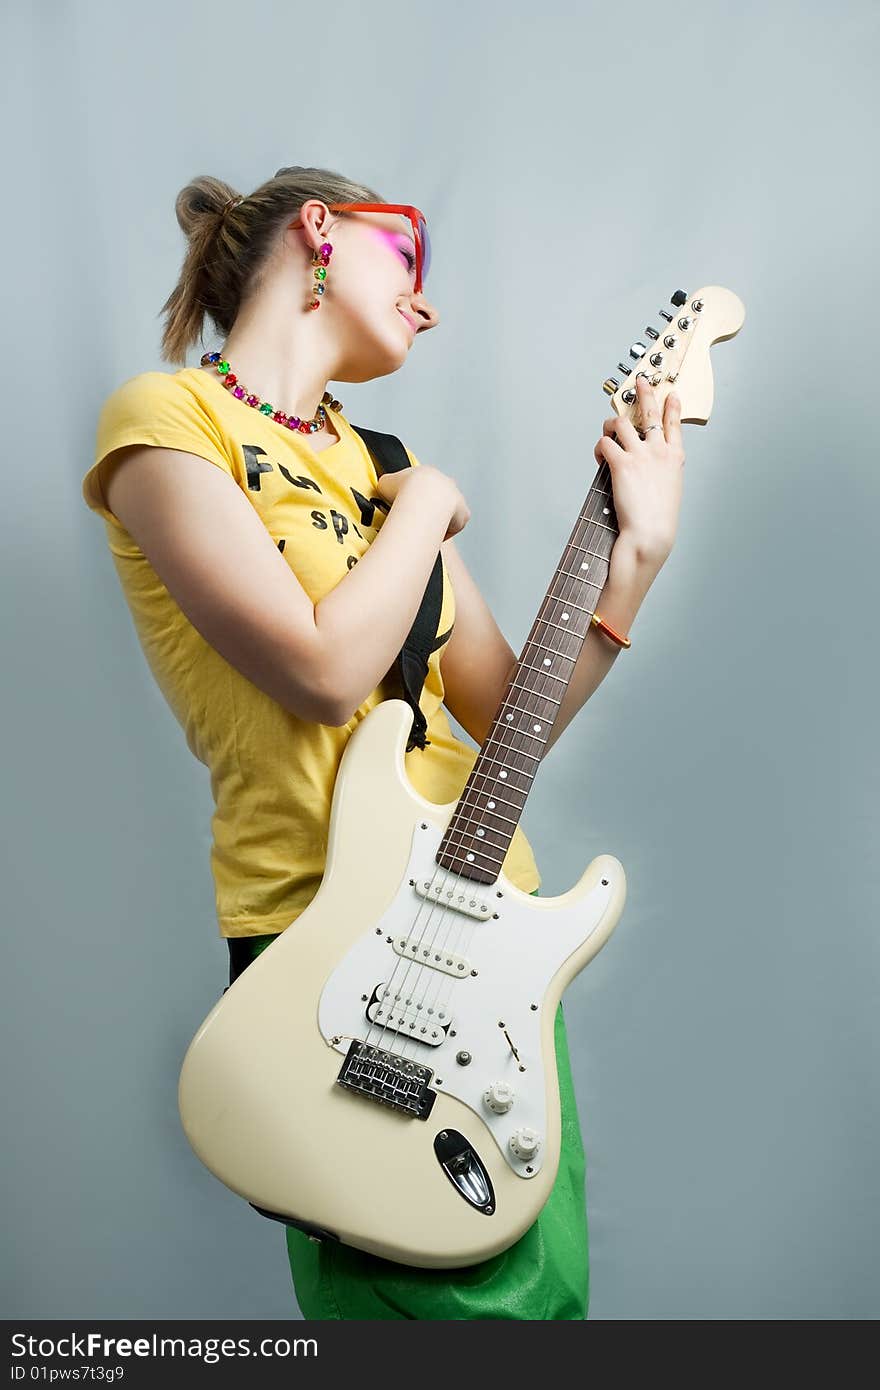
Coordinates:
434 1141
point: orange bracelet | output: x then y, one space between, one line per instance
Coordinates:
609 631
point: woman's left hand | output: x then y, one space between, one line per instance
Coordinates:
646 474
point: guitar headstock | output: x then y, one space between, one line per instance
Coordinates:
678 356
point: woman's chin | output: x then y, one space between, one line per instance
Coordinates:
385 352
390 355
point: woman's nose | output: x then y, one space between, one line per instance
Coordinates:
425 312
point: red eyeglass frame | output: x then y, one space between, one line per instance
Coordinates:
414 215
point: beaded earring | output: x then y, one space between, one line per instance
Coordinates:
320 259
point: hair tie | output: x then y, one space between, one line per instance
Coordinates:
232 203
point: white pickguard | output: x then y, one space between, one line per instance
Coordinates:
515 953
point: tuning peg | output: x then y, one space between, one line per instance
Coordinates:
638 349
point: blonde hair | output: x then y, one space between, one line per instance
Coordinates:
227 256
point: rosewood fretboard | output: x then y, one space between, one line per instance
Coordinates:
488 810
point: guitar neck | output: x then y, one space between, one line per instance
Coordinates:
488 811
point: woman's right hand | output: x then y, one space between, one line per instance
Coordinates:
443 490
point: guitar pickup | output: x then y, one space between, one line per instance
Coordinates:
408 1016
456 895
428 953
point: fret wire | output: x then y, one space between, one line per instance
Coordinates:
527 733
453 835
508 819
525 690
469 814
586 550
477 771
561 627
520 709
460 819
551 651
488 829
512 729
594 496
465 813
521 752
525 667
490 857
595 520
542 670
598 495
597 555
566 574
483 769
493 738
567 602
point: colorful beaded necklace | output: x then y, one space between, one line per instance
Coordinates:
241 393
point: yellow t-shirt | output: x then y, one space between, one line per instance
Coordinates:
272 773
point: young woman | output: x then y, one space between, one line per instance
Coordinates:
273 576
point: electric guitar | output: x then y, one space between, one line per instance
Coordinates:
384 1073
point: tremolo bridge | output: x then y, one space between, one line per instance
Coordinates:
389 1079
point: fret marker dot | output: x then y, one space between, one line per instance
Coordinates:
565 617
491 805
481 832
469 856
606 510
537 728
502 774
585 565
546 661
508 716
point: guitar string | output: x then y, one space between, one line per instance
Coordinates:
588 522
465 820
393 982
447 981
390 985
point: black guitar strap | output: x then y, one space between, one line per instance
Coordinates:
411 665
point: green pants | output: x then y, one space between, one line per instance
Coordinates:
544 1275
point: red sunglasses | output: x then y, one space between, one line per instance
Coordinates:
419 226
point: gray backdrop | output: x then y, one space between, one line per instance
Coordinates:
577 164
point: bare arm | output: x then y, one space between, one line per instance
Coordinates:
214 555
647 483
629 579
367 617
478 662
